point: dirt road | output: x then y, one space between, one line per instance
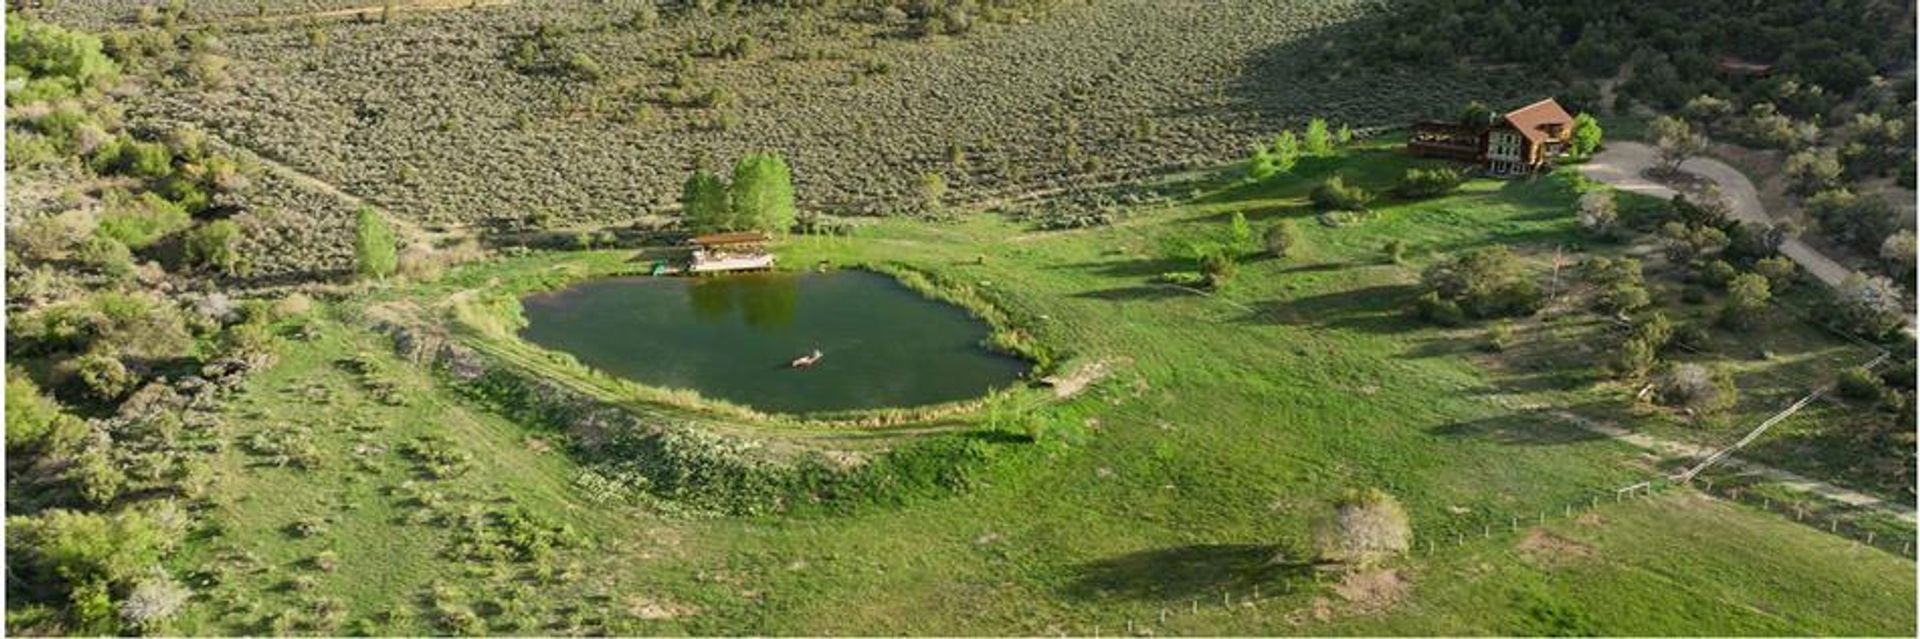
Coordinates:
1624 165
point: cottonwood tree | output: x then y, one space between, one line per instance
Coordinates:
1587 134
374 245
704 204
763 193
1676 141
1368 526
1318 140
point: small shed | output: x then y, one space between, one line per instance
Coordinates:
733 251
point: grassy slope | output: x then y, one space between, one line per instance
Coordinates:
1239 414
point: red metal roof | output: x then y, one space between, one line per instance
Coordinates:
1533 120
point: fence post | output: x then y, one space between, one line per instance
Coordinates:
1514 525
1486 531
1833 525
1869 537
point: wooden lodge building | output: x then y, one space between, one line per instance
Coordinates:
723 252
1518 142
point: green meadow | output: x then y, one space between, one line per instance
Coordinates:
1179 495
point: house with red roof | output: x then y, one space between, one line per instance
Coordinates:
1518 142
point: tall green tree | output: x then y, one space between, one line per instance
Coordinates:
1318 140
1586 134
704 204
375 246
1286 152
763 193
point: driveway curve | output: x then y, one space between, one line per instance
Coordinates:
1624 164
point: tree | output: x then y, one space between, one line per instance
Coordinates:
104 376
1344 135
216 245
1281 238
704 203
1239 231
1779 271
1368 525
763 193
1811 171
1676 141
1898 254
374 247
1747 297
1488 282
1697 388
1587 134
1286 152
1598 212
1317 139
1871 305
1708 110
1476 115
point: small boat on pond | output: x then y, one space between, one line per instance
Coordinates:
804 361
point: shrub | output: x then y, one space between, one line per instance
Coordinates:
1395 250
215 245
1858 383
1634 359
152 602
139 221
1217 264
1598 212
1280 238
1421 183
1335 195
1368 525
1697 388
104 376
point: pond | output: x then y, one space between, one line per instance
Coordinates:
733 337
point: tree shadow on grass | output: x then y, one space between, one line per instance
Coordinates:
1519 429
1373 309
1141 293
1183 572
1139 267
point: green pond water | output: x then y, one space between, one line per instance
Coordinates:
732 337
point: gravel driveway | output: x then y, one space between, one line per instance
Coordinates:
1624 164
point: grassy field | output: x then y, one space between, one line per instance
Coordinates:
1193 481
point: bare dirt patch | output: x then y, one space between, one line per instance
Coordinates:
1545 548
1374 590
652 609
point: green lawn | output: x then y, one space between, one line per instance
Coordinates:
1231 421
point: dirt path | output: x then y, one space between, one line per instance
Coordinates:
1624 165
1787 478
